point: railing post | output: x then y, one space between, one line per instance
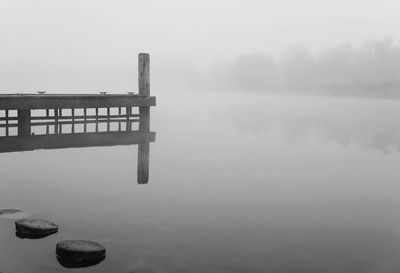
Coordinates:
97 120
7 121
128 119
73 120
144 119
24 122
60 123
84 119
108 119
55 121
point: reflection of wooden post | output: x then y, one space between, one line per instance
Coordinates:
143 163
144 118
24 122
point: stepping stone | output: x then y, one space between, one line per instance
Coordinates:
67 263
34 228
79 253
13 214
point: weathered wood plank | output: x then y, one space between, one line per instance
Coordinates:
19 102
144 74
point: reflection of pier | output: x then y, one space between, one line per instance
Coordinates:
29 122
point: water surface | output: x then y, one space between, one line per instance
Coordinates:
238 183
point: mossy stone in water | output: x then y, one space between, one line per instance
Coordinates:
35 228
80 252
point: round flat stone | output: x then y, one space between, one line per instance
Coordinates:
35 228
80 250
13 214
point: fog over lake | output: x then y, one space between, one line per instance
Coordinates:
274 145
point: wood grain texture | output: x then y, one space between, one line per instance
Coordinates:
144 74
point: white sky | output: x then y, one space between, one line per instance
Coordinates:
95 33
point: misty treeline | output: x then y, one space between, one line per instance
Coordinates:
372 69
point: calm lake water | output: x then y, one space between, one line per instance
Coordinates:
238 183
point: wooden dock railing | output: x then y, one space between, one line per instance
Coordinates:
46 121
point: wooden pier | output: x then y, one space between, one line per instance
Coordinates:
40 121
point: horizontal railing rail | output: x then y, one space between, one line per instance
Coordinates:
22 102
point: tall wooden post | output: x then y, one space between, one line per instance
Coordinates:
24 122
144 118
144 90
144 74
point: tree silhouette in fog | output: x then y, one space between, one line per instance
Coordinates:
372 69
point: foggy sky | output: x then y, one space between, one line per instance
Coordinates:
63 45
